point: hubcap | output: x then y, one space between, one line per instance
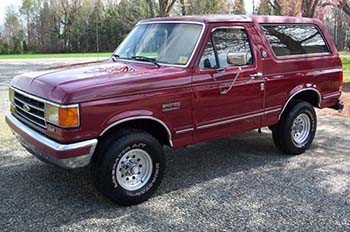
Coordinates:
301 129
134 169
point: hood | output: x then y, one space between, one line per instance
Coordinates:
92 81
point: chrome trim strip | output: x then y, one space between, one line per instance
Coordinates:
272 111
304 55
73 162
32 106
226 27
331 95
173 21
184 130
299 91
141 117
273 107
229 121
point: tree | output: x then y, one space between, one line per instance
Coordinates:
183 7
13 30
342 4
264 8
152 8
238 7
206 7
308 7
165 7
27 9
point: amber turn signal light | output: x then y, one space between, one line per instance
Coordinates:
68 117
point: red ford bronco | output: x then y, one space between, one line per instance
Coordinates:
176 82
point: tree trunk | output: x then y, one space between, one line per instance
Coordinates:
165 7
309 8
183 7
345 6
151 8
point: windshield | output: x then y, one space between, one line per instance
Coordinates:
168 43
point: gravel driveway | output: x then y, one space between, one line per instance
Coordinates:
234 183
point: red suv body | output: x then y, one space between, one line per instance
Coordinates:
208 77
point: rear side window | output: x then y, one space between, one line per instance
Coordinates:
295 39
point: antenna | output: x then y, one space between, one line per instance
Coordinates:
97 42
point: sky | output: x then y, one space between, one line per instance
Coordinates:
5 3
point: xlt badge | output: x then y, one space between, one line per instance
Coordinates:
171 106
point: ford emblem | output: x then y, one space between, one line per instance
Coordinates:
26 108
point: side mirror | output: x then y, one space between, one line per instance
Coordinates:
236 59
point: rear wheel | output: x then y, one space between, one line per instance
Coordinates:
296 129
131 167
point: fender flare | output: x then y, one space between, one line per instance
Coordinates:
300 91
135 115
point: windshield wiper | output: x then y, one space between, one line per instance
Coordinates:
145 58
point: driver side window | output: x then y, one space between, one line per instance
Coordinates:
227 47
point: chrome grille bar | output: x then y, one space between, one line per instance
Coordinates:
32 106
23 116
28 112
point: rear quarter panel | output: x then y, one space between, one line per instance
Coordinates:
288 75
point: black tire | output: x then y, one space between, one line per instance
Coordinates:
276 137
110 155
282 132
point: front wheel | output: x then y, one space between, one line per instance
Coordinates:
131 167
296 129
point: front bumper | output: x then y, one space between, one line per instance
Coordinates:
67 156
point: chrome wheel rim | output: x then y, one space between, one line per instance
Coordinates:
134 169
301 128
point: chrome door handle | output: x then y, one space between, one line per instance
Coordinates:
258 75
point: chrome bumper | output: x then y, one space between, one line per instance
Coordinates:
36 143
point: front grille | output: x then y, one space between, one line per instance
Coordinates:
30 108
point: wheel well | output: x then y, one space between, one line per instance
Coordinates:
156 129
310 96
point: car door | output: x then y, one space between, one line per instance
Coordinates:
228 87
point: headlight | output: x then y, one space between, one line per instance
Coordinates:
63 116
11 95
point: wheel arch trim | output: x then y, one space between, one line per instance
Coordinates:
128 119
300 91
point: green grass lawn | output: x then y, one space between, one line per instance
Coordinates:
346 68
61 55
344 53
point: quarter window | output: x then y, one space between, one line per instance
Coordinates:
295 39
227 47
